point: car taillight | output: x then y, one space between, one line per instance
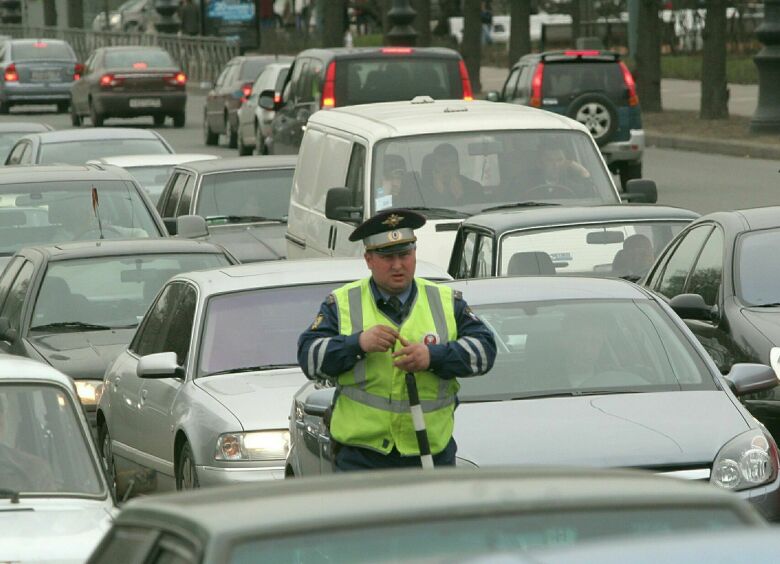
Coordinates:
178 79
536 86
10 73
633 99
329 89
78 70
468 94
582 53
109 80
246 92
397 50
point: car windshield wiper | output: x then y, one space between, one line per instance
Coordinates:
525 204
575 393
71 325
7 492
238 218
773 304
446 212
631 277
251 369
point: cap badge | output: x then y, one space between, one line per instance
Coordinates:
393 220
394 235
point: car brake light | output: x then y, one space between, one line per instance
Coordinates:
246 92
582 53
10 73
329 88
140 65
468 94
633 99
180 78
78 70
536 86
396 50
108 80
40 45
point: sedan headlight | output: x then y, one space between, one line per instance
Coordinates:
747 461
254 445
89 391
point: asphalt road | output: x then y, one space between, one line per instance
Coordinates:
700 182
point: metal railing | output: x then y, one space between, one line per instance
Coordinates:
202 58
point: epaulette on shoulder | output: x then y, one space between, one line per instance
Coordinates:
330 300
457 294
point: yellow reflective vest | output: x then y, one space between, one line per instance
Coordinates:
372 405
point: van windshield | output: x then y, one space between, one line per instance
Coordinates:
466 173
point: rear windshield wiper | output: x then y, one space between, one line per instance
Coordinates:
575 393
439 211
236 218
71 325
7 492
251 369
526 204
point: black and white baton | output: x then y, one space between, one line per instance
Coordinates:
419 422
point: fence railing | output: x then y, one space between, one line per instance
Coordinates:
202 58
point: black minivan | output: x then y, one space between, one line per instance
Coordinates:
329 78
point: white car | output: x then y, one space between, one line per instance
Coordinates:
202 395
254 122
55 504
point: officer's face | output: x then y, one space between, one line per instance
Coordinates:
393 273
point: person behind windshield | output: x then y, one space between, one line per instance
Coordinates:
586 339
77 220
555 169
635 259
21 471
450 187
393 170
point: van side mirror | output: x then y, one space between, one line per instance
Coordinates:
267 101
641 190
6 333
745 378
493 96
191 226
159 365
338 206
691 306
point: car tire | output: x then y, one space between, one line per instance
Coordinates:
598 114
159 119
96 117
62 107
209 137
5 107
186 474
629 171
179 118
75 118
232 134
107 457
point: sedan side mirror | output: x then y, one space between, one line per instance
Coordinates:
338 206
493 96
318 402
6 333
691 306
159 365
191 226
747 378
641 190
267 100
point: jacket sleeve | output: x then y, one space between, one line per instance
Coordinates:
474 351
322 352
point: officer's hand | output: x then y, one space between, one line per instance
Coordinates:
379 338
414 357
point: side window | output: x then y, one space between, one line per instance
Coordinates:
467 256
26 156
180 323
174 195
306 177
298 88
681 261
12 307
356 174
223 76
707 274
151 335
315 87
124 544
173 550
186 196
523 82
8 277
484 264
89 63
16 155
332 167
279 86
509 86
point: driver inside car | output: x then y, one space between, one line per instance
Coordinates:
558 173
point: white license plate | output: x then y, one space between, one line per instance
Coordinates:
145 103
44 76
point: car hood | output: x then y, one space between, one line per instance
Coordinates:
259 400
767 322
253 242
435 241
82 355
36 530
622 430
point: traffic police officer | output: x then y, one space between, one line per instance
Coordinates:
370 333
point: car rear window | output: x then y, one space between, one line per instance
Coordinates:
78 152
389 79
563 79
151 58
42 51
251 69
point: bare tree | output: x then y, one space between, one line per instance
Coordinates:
520 32
714 90
471 47
422 21
447 9
648 56
333 16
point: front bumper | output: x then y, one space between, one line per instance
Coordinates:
36 93
118 104
766 499
629 150
217 476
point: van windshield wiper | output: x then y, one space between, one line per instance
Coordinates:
79 325
575 393
446 212
524 204
250 369
240 218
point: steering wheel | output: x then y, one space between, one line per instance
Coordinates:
551 190
94 233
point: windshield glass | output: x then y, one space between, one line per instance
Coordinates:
757 273
469 172
625 250
248 193
470 539
42 51
139 59
79 152
585 345
113 292
284 312
151 178
43 447
56 212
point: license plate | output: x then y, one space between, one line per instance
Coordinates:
145 103
44 76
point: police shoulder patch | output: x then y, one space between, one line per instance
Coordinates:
317 321
470 313
330 300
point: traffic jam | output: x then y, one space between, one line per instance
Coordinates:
341 306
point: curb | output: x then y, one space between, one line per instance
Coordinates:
747 149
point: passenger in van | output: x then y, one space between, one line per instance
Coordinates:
450 187
556 169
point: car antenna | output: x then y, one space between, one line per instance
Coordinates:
95 208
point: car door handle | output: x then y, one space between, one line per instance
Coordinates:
116 382
144 393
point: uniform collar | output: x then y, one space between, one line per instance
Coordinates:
381 296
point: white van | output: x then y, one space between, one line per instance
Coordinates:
446 159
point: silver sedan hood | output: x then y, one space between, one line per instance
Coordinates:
259 400
626 430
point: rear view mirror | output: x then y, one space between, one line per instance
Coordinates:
266 100
691 306
318 402
191 226
604 237
159 365
338 206
641 190
749 378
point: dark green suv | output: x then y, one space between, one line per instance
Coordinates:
595 88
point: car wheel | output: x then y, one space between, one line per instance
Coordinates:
178 119
209 137
75 118
629 171
186 474
107 457
62 107
232 134
159 119
96 117
597 113
5 107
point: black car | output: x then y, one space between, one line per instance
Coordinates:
329 78
244 202
721 276
129 81
75 306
